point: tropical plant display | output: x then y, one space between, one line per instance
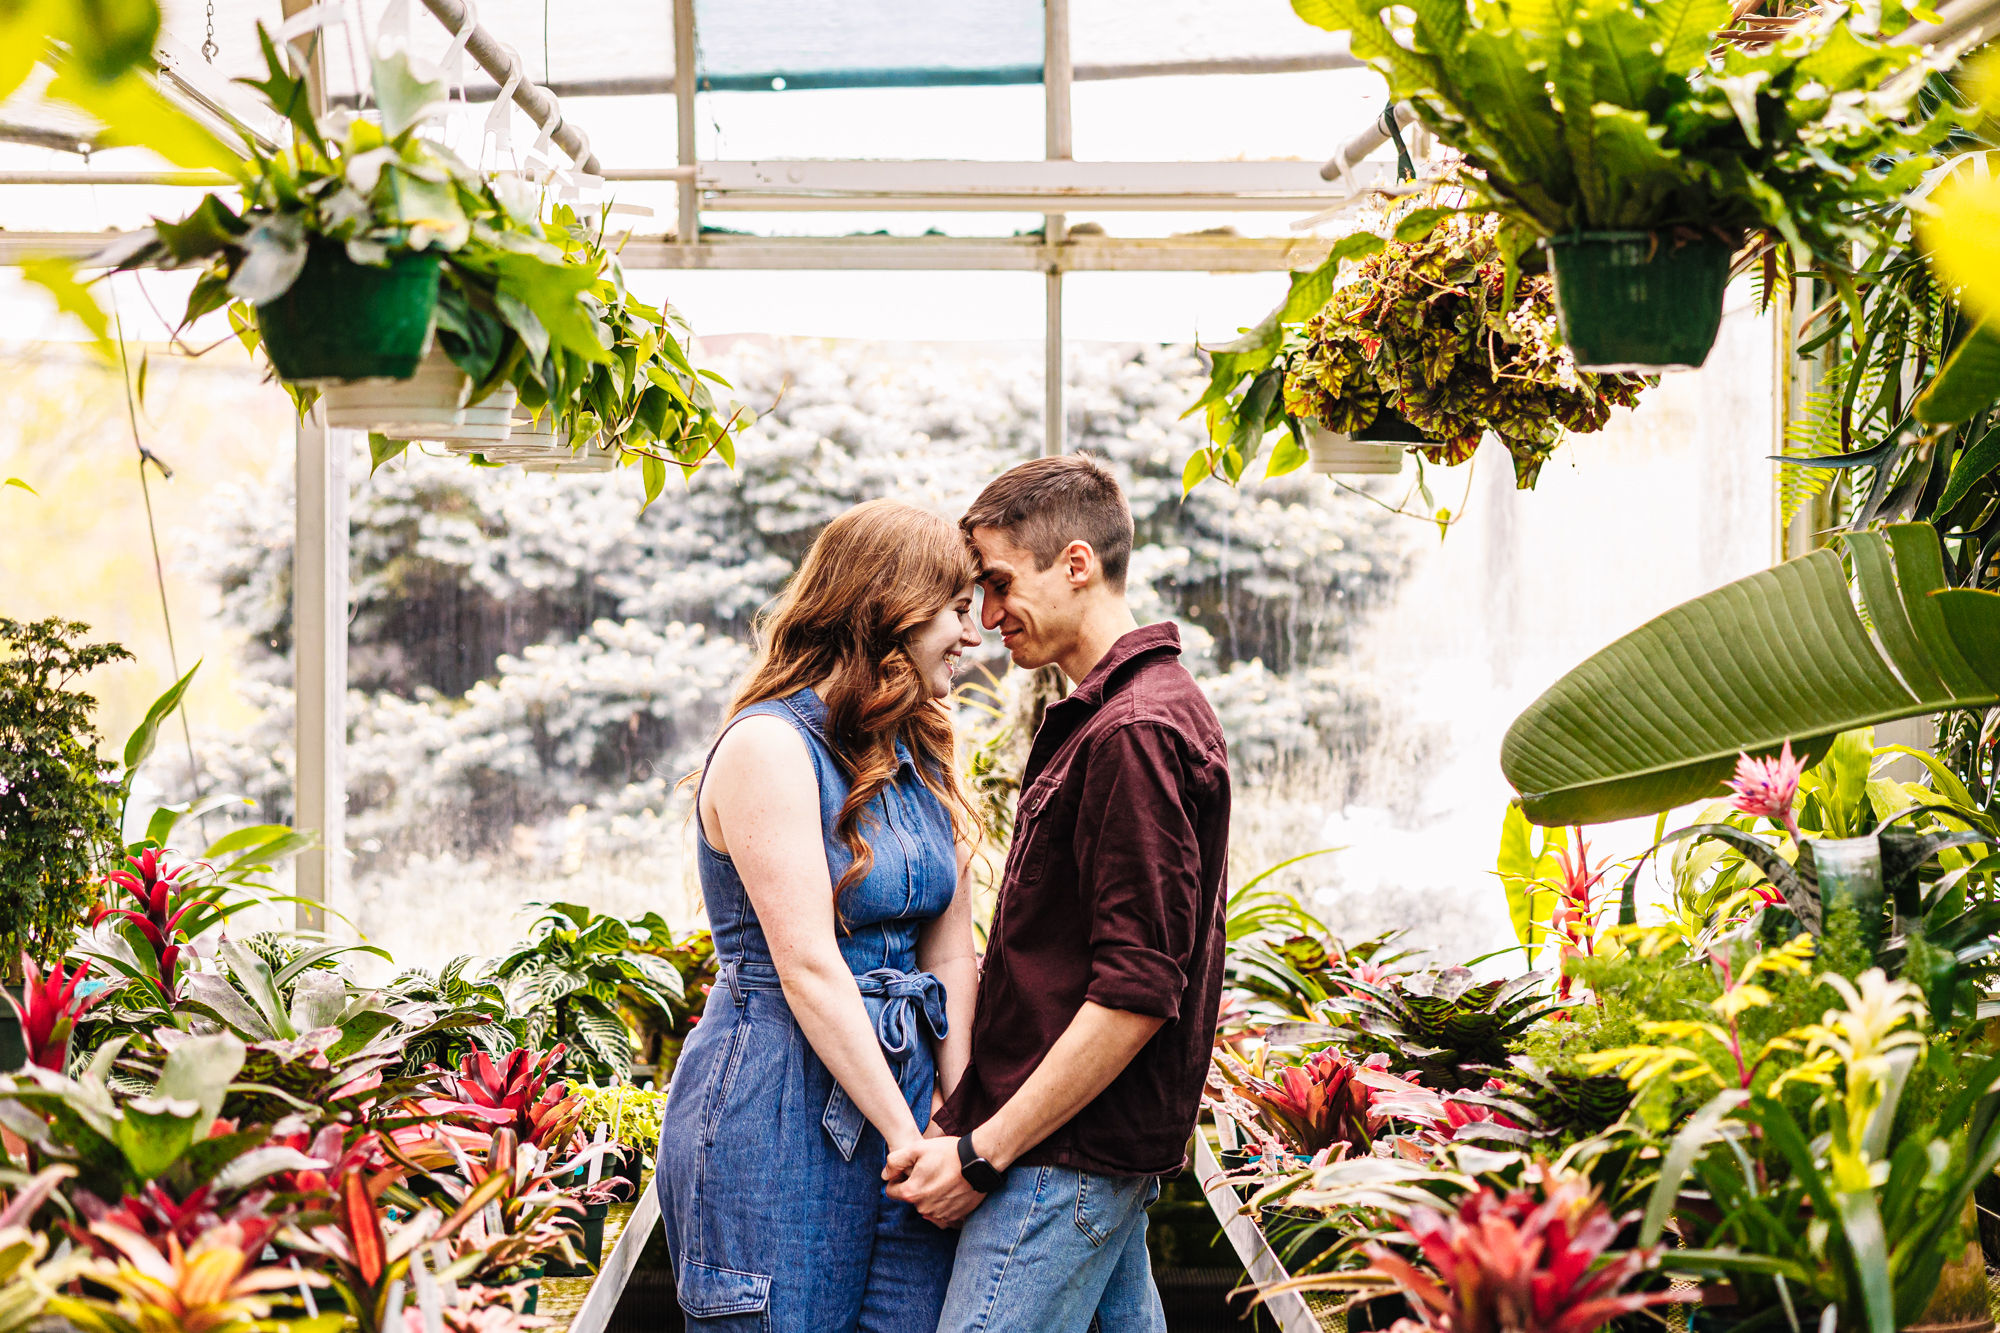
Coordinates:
369 218
1438 334
1662 116
1423 329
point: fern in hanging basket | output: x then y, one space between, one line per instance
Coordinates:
1423 329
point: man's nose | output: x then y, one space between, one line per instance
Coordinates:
989 611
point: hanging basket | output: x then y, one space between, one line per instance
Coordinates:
595 456
426 406
346 321
531 441
1638 301
487 422
1338 455
1390 427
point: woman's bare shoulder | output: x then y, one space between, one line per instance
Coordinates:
758 744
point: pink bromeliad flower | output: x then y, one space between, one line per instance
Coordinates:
1767 787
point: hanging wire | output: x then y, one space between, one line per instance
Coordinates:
146 494
209 50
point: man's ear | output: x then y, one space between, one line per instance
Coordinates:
1079 563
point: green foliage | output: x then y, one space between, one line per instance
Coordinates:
1614 117
570 975
545 309
1426 329
1445 1025
662 1031
1849 1204
58 800
1528 872
631 1116
1801 667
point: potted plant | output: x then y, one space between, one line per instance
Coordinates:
353 247
1424 344
58 800
1642 144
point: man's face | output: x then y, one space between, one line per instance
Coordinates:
1037 611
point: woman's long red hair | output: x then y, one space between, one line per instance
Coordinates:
873 576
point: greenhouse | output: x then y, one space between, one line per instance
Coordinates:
1036 665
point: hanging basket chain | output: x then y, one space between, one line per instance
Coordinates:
209 50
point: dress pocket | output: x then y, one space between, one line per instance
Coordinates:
725 1300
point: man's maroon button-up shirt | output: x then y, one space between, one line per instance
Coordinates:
1114 893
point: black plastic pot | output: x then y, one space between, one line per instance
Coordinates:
1298 1236
1638 300
632 1169
1389 427
593 1245
1233 1160
532 1276
346 321
13 1042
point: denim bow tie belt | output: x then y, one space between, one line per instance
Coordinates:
905 1007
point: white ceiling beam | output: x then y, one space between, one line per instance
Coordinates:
939 186
1016 254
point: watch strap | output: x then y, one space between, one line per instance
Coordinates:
979 1173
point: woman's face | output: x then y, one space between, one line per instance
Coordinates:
936 644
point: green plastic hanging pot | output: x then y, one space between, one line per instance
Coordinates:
1638 300
347 321
1389 427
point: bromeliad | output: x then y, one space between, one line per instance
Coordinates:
1531 1261
51 1010
1311 1106
156 918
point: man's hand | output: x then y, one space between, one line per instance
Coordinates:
927 1176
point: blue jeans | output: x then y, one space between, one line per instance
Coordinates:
1056 1251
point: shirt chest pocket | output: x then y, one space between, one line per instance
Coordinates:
1036 835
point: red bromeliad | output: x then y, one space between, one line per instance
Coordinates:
515 1094
1575 917
1533 1261
153 885
1313 1105
51 1010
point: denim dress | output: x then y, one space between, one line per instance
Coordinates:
770 1179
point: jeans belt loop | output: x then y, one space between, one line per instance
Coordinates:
735 986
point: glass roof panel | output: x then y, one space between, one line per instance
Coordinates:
794 44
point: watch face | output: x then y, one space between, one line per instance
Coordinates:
979 1174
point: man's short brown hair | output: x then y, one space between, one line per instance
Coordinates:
1046 504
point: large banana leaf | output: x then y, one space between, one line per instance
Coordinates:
1657 719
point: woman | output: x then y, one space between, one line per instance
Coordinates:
833 840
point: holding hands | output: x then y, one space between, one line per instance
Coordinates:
927 1176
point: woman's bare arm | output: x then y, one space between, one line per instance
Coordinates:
944 949
761 807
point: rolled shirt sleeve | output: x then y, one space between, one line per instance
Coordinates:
1139 869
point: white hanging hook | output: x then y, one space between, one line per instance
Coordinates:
499 127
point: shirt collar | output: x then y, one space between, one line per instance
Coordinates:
809 706
1147 641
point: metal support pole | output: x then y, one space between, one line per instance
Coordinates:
541 106
319 616
1055 85
689 231
319 662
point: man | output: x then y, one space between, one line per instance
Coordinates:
1096 1011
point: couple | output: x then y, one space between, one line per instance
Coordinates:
1022 1119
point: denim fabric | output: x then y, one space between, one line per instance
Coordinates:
770 1179
1056 1251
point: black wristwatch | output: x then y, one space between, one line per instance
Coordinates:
979 1173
